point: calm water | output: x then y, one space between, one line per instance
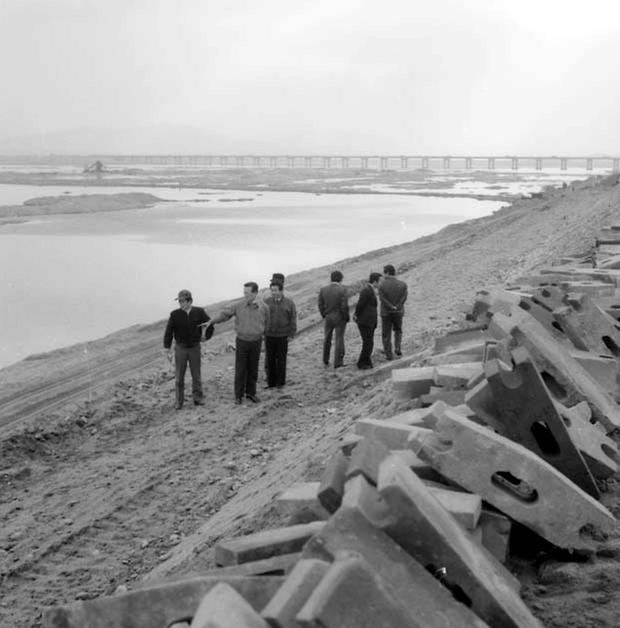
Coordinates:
70 278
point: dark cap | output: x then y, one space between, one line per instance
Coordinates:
277 278
184 295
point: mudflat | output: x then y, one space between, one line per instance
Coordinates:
103 485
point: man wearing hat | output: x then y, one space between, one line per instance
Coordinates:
185 324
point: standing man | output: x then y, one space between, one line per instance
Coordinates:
392 294
185 325
251 320
366 318
334 308
282 326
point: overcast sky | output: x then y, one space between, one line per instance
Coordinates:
317 76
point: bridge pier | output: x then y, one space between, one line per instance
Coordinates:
425 163
404 162
257 161
491 163
539 163
514 163
273 162
344 163
446 163
383 161
615 164
589 163
308 162
468 162
364 163
290 162
327 162
563 163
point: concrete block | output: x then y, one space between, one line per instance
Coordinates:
604 369
567 381
464 507
223 607
409 383
588 326
451 397
422 469
592 288
513 479
332 482
527 415
274 566
302 496
461 340
454 357
604 275
598 450
348 442
417 417
351 595
495 528
158 606
440 541
366 458
482 402
456 376
265 544
392 435
348 532
288 600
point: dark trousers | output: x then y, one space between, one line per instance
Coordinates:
338 325
275 359
389 322
247 355
368 342
183 356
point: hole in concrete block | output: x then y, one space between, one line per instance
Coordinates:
442 575
524 305
555 388
567 421
608 451
557 326
514 486
545 293
541 304
545 438
611 345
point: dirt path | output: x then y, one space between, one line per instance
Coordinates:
119 488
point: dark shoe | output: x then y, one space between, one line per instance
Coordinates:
238 401
253 398
178 405
364 367
399 353
325 363
389 357
199 402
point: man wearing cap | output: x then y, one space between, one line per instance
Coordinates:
282 327
185 324
251 321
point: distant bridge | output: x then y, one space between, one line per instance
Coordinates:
362 162
372 162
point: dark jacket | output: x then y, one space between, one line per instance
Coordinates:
334 302
282 317
184 327
393 294
366 308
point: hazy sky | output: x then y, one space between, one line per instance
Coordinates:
295 76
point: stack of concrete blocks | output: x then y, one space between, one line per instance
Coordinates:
410 522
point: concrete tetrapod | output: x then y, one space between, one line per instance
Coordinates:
513 479
418 522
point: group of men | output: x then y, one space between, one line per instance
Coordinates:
274 318
383 294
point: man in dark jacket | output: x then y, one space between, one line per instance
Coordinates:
334 308
392 294
186 324
366 318
282 326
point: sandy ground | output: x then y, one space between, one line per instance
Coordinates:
104 485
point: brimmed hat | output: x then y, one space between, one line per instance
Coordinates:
184 295
277 278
